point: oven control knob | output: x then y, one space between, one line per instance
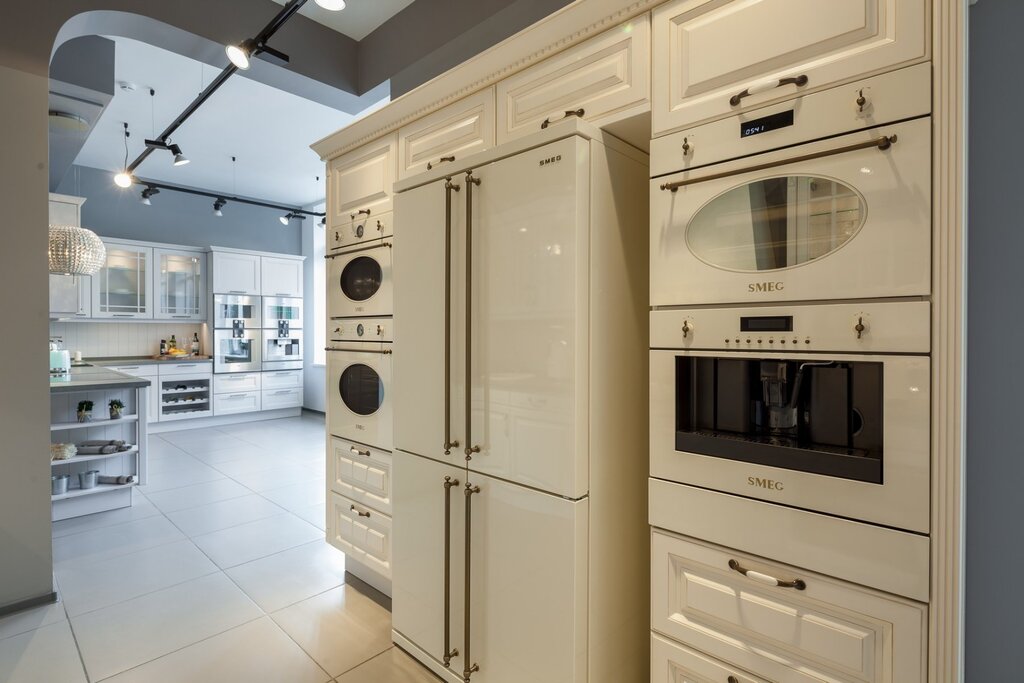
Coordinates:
360 330
738 341
771 341
687 329
859 327
748 341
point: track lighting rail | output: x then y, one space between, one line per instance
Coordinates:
222 198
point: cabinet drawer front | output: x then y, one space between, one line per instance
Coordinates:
141 370
606 76
360 473
229 404
236 383
365 536
830 630
282 398
362 180
360 229
203 368
458 130
674 663
705 53
282 379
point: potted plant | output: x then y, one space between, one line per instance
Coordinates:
116 406
85 411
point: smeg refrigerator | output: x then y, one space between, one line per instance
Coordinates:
520 541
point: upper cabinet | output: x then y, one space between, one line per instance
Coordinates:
602 80
455 132
180 284
122 288
360 183
236 273
281 276
713 58
70 295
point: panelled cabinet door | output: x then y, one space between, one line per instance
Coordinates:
455 132
122 288
180 284
608 77
361 181
674 663
713 59
281 276
236 273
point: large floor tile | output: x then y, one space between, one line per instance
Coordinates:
298 496
257 651
216 457
223 514
140 508
292 575
393 666
340 629
41 656
160 449
314 514
197 443
182 474
113 541
100 584
31 619
255 461
199 494
253 540
122 636
283 475
171 463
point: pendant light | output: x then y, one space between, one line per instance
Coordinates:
124 178
75 251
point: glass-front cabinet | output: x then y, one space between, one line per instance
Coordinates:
179 281
122 288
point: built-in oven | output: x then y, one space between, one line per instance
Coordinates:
233 310
282 312
237 350
359 382
821 198
820 407
282 350
359 282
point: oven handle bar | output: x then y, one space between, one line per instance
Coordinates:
883 143
449 187
385 352
798 584
356 251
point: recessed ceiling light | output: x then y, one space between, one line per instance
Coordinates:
332 5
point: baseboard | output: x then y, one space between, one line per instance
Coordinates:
12 607
220 420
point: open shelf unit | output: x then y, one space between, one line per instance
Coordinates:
187 396
99 488
89 458
64 426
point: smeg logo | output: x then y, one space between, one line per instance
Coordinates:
360 427
770 484
764 287
550 160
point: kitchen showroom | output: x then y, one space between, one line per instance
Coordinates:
508 342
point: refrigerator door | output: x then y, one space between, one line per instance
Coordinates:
530 301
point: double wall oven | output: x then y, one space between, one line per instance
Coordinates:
236 335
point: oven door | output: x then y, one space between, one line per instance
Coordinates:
359 283
359 393
227 308
278 310
855 443
820 221
233 353
282 353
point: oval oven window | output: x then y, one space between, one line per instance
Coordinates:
361 389
775 223
361 278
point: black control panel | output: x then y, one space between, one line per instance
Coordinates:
766 123
772 323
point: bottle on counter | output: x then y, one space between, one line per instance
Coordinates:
173 344
163 347
195 343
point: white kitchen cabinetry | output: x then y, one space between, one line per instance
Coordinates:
282 379
784 624
281 276
235 273
236 382
186 390
360 183
237 392
179 280
360 473
455 132
123 286
151 372
604 79
362 534
70 295
713 59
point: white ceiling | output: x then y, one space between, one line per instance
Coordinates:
268 130
358 19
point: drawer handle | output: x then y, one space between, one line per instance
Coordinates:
568 113
798 584
798 81
361 212
361 514
355 450
440 161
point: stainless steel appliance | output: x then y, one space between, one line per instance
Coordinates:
359 384
230 309
236 350
821 407
360 282
280 309
282 349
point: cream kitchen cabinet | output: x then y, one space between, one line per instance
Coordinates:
361 473
236 273
713 59
359 229
604 79
180 284
360 183
673 663
281 276
123 288
364 535
457 131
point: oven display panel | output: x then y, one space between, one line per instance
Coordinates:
775 323
766 124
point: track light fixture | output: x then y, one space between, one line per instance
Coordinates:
147 193
179 158
218 205
291 215
221 200
240 55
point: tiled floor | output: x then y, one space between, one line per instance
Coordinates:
218 572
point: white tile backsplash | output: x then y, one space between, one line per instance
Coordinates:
98 340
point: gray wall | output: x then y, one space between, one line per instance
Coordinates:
995 374
177 218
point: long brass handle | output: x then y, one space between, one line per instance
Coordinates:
469 669
568 113
353 449
883 143
470 449
449 187
356 251
356 510
385 352
799 81
798 584
449 652
440 161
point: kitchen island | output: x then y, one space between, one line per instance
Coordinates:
109 453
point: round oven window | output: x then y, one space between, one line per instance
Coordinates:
361 278
361 389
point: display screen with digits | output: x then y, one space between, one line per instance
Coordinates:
777 323
766 123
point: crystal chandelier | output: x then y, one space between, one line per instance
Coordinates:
75 251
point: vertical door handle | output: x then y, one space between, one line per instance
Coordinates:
448 651
470 448
468 669
449 187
